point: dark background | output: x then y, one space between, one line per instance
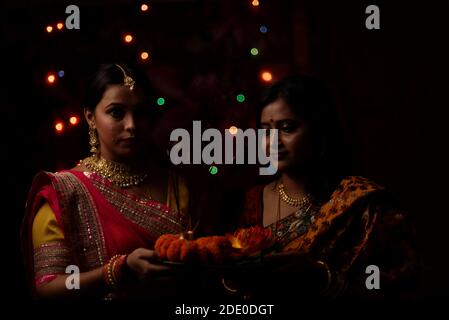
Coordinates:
390 87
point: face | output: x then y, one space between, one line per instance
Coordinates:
122 122
293 135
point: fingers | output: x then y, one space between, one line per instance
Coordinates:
147 254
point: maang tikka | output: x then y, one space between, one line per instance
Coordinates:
127 80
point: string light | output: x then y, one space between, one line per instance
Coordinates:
144 7
254 51
74 120
61 73
49 29
255 3
240 97
233 130
160 101
263 29
144 55
60 25
266 76
59 126
128 38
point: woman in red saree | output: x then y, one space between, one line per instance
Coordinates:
103 216
332 230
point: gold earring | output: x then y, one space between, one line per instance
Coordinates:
93 140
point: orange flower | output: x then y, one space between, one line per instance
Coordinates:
252 241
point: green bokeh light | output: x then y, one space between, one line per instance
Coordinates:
213 170
240 97
160 101
254 51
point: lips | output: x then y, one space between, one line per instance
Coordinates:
127 141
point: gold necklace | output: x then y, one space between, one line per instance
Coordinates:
119 174
306 200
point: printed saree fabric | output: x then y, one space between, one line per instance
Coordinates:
358 226
97 220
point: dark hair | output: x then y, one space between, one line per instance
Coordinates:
308 98
109 74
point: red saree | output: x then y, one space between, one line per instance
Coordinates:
98 220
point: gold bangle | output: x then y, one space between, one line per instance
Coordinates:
109 276
329 276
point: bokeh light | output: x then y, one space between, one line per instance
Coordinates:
266 76
213 170
73 120
128 38
233 130
59 126
254 51
144 55
49 29
51 78
160 101
240 97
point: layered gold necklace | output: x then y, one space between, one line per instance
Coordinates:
119 174
294 202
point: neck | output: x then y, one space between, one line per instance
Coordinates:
294 184
132 162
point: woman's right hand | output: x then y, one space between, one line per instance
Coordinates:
145 265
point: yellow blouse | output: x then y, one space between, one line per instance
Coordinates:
46 228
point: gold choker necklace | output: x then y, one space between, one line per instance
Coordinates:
306 200
119 174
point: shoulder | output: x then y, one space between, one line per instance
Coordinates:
62 182
353 191
352 188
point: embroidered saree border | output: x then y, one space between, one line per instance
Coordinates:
152 216
50 259
80 221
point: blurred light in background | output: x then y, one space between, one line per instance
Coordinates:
254 51
266 76
144 55
51 78
73 120
59 126
240 97
128 38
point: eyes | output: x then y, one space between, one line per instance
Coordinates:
118 112
288 128
284 127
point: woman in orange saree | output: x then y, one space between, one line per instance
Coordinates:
332 230
102 217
